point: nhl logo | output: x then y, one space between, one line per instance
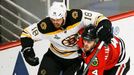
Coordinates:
56 37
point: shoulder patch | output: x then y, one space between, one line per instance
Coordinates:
43 25
75 14
46 26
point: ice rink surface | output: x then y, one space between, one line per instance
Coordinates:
126 27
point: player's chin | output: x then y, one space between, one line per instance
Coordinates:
86 48
57 26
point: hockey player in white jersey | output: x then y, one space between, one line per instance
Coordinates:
60 28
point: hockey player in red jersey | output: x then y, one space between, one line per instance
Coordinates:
110 60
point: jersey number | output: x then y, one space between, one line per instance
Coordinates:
87 15
95 72
35 31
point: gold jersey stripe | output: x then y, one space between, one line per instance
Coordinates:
68 28
100 18
25 33
55 32
72 26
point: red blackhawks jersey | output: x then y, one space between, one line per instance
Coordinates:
107 57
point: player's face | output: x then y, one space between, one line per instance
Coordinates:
57 22
88 45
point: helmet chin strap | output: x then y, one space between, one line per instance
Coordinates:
62 25
96 40
64 20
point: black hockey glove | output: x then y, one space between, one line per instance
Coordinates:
104 31
29 56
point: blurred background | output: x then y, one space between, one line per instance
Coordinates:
15 15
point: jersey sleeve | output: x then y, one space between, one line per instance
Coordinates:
114 53
91 17
31 32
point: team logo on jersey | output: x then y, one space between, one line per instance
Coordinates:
75 14
95 62
43 25
70 41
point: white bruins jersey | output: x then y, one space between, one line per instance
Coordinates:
63 41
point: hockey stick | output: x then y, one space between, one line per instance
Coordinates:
88 65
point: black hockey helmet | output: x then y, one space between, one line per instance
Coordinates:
89 33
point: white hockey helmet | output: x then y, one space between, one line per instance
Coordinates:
57 10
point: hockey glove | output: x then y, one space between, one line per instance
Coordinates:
104 31
29 56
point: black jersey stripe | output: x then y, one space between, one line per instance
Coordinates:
123 51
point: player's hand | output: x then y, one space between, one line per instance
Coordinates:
104 32
29 56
